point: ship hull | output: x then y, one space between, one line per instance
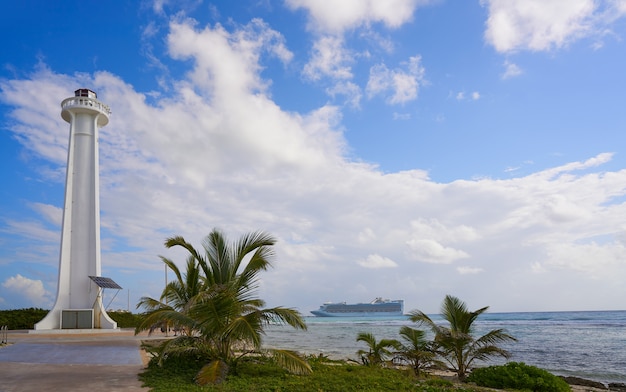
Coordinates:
321 313
377 308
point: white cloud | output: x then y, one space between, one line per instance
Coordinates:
229 74
157 6
433 228
619 6
234 57
52 214
511 70
469 270
377 40
536 24
537 268
403 84
366 235
351 91
595 260
33 229
540 25
33 290
376 261
329 59
431 251
461 96
573 166
335 17
401 116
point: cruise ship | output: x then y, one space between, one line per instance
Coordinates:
377 308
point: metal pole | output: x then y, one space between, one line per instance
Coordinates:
167 324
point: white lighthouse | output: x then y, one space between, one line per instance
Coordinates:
79 294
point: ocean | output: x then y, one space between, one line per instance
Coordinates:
590 345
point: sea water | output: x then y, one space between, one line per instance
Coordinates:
589 345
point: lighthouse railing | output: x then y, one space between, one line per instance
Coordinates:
86 102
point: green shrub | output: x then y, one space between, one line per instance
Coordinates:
126 319
517 375
27 318
21 318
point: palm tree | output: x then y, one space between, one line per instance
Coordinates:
171 309
455 342
377 352
417 350
223 318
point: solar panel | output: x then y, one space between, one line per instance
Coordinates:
105 283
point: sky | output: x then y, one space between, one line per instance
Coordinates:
405 149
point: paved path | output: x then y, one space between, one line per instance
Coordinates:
71 362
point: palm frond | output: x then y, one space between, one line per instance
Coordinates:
291 361
166 315
246 328
252 241
218 254
367 338
256 245
179 346
280 315
180 241
421 318
172 266
214 372
484 353
149 303
415 337
495 336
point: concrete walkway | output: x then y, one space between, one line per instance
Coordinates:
92 362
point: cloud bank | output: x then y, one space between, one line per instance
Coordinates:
217 151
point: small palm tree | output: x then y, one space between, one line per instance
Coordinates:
455 343
377 352
416 350
171 309
215 302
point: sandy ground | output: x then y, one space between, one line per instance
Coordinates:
94 362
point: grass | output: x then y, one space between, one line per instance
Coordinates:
260 375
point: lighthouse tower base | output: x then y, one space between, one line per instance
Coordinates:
73 320
64 316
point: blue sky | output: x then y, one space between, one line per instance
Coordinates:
402 148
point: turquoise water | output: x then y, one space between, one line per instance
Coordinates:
590 345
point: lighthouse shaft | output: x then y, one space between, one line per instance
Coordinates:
79 257
80 249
